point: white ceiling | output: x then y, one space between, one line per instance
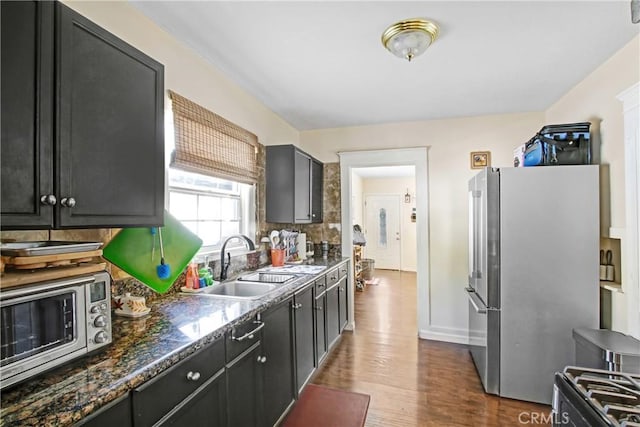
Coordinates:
320 64
385 172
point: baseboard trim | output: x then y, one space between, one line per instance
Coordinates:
457 336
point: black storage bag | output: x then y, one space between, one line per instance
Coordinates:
563 144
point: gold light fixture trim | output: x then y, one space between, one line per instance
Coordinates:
418 27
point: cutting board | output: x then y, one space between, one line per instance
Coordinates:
132 248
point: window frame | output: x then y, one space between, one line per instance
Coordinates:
245 195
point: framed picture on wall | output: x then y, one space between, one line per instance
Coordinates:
480 159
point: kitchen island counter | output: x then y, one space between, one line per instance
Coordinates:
178 326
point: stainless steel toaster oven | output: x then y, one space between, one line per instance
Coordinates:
50 323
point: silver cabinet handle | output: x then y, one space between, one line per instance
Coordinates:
262 359
297 306
193 376
248 335
48 200
68 202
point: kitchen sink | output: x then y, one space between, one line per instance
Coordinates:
238 289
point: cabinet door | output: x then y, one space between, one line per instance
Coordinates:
320 308
117 413
302 187
332 315
304 336
277 347
152 402
244 392
317 176
343 303
110 131
26 163
204 408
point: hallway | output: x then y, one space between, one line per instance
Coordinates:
413 382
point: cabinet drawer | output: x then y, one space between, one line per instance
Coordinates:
320 285
241 337
155 398
343 270
332 277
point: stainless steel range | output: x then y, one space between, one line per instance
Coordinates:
594 397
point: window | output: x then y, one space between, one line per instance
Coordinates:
212 208
213 174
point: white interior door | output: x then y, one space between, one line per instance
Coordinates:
382 230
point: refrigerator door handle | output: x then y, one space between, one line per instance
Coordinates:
475 301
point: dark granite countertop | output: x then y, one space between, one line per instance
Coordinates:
177 326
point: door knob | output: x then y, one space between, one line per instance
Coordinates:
48 200
68 202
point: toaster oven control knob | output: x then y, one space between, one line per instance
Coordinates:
100 322
100 337
103 306
94 309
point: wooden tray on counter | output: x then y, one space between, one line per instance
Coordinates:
46 261
11 279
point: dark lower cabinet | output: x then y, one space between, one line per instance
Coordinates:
116 413
82 123
277 347
343 303
320 307
171 395
244 388
304 313
249 377
333 310
204 408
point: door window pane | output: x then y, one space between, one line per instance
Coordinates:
382 226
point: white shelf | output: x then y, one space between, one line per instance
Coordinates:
616 233
611 286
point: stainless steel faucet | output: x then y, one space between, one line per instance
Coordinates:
225 266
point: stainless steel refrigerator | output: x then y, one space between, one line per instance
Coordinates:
533 273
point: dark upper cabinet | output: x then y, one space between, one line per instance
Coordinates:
317 176
293 186
94 137
26 116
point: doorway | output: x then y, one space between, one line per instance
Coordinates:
382 230
416 157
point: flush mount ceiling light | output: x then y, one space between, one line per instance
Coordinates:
410 38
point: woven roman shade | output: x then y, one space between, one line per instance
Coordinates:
211 145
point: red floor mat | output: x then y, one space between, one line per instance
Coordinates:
321 406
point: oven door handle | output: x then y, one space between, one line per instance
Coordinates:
475 301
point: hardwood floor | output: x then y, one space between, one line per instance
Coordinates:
413 382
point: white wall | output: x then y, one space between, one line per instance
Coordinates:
450 142
399 186
187 73
594 99
357 200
